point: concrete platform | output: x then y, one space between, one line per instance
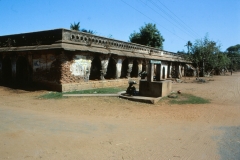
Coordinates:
122 94
90 95
152 100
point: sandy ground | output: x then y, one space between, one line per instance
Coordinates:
113 128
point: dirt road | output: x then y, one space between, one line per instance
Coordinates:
118 129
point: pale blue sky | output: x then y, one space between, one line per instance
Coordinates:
177 20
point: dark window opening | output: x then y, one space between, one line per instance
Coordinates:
124 69
111 69
95 72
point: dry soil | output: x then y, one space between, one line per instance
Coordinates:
95 128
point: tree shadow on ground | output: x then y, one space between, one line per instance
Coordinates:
25 87
229 143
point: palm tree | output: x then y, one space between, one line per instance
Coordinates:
75 26
88 31
189 44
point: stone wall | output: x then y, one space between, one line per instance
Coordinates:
96 84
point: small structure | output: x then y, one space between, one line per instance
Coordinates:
155 87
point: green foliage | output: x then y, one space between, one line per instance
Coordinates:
88 31
51 95
218 61
188 99
189 45
206 55
149 35
75 26
233 53
234 49
59 95
99 91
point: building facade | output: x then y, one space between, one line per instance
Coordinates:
67 60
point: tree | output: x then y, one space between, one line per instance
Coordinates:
206 56
234 49
233 53
87 31
218 61
189 45
149 35
75 26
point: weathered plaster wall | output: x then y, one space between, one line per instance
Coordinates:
59 67
46 66
77 69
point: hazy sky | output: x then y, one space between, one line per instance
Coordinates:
177 20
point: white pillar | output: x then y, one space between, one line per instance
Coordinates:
118 68
104 65
139 67
130 65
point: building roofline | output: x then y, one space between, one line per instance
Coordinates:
75 40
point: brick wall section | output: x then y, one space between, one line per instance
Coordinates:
96 84
67 76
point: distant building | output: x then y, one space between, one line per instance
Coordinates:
67 60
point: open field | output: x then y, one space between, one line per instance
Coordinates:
118 129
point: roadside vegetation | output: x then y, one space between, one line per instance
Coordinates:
59 95
208 58
174 97
185 99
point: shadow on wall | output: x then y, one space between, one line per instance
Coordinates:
229 143
95 69
7 71
111 69
124 68
29 87
134 72
22 71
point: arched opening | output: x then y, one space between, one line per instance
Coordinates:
7 70
124 69
22 71
111 69
95 72
134 72
163 73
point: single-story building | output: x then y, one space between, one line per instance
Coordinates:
67 60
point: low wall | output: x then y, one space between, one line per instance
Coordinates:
96 84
